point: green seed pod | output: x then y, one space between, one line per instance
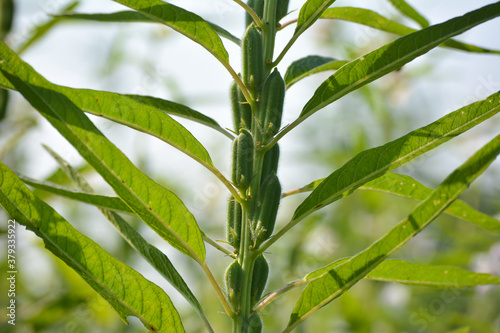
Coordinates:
234 220
242 111
253 324
6 17
258 8
269 204
243 149
253 64
270 163
271 105
234 282
4 100
259 278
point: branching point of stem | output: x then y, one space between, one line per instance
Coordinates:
250 12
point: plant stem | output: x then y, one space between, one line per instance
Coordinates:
250 12
218 290
269 31
278 293
286 24
240 84
217 246
225 181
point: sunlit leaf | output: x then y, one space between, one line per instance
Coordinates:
4 83
42 30
179 110
161 209
88 100
407 187
410 12
183 21
138 112
339 279
153 255
400 271
374 20
375 162
102 201
391 57
128 292
310 13
136 17
309 65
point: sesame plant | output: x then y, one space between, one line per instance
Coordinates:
254 192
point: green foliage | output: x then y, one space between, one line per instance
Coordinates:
126 290
257 99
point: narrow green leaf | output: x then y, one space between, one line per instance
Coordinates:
309 65
366 17
136 17
128 292
184 22
391 57
145 106
138 112
400 271
410 12
324 270
43 29
179 110
161 209
155 257
102 201
374 20
5 84
461 330
224 33
309 13
375 162
126 16
407 187
338 280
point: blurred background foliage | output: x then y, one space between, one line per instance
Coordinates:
145 59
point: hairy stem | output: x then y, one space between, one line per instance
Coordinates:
278 293
218 290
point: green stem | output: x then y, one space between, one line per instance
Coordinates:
246 297
278 293
250 12
217 246
218 290
269 30
240 84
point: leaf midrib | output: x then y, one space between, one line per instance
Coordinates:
129 190
377 262
76 263
359 82
385 168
